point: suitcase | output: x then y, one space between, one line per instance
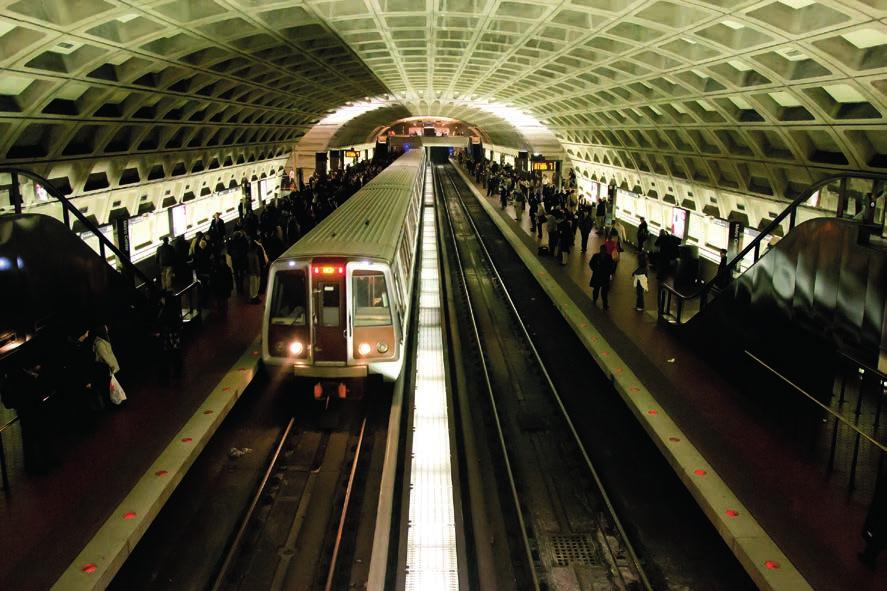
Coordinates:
543 250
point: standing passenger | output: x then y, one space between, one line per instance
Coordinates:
601 265
640 280
255 262
166 260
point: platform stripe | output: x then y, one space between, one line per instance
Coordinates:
98 563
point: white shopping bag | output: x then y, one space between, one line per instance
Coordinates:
117 394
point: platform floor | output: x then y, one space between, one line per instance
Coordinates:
809 516
47 520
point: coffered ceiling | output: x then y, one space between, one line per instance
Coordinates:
760 96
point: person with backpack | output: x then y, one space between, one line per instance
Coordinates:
602 269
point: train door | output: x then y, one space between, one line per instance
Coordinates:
330 328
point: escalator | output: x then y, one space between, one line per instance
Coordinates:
816 293
51 279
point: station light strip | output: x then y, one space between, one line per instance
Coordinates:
431 536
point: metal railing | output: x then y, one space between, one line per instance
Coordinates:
837 419
128 268
672 302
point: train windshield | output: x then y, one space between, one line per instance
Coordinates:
289 301
371 302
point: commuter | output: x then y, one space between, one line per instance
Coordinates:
572 201
643 234
533 201
23 390
105 385
621 238
221 280
541 218
166 261
551 224
601 265
169 321
601 215
520 202
640 280
256 259
194 243
722 276
217 229
202 266
585 225
503 195
565 238
237 246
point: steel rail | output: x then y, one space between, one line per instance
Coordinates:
238 538
606 498
332 569
489 387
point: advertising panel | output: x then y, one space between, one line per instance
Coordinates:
179 219
679 222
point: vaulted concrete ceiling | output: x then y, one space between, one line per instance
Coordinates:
756 95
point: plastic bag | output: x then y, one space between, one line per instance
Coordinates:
116 390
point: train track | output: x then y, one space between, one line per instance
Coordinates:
293 531
569 533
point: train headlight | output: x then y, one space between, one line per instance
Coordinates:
382 348
364 349
296 347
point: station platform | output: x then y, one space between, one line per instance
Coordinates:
47 520
808 517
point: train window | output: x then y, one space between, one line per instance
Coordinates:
329 298
371 302
289 298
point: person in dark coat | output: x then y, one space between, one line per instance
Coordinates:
601 265
643 234
217 229
255 264
585 225
166 261
722 277
237 246
169 327
601 214
221 281
565 239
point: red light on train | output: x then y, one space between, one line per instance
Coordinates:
329 270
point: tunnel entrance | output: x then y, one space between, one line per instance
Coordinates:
440 154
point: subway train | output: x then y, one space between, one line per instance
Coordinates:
339 300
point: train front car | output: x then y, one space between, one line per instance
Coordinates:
338 300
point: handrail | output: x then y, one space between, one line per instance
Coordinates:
70 208
755 245
814 400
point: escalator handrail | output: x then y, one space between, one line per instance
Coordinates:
72 209
770 227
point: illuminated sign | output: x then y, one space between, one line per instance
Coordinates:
179 219
543 166
352 154
328 270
